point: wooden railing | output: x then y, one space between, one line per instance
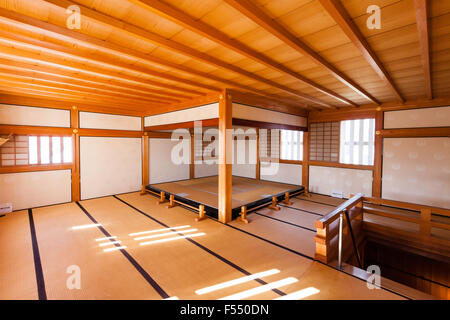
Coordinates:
328 230
422 233
358 207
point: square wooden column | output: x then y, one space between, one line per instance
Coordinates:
225 156
378 158
74 125
145 164
305 162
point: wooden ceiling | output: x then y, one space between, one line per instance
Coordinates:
149 56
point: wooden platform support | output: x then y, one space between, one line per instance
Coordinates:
286 200
162 198
201 213
274 205
171 201
243 217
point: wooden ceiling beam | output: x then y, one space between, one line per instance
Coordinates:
16 54
58 102
51 95
67 83
27 23
168 12
154 38
96 82
254 13
24 83
424 39
336 10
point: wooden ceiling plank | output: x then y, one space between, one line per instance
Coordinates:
258 16
163 42
28 99
28 23
205 30
12 53
51 95
17 80
26 74
107 84
343 19
421 7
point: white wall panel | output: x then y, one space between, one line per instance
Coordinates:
210 111
417 118
109 166
206 170
163 167
33 116
241 111
325 180
417 170
34 189
92 120
286 173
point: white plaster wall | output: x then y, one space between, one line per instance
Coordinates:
206 170
33 116
109 166
286 173
210 111
162 167
417 118
34 189
325 180
92 120
417 170
241 111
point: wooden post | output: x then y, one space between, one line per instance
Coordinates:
305 163
75 124
192 164
425 226
162 198
201 213
225 156
258 164
378 156
244 214
171 201
286 199
145 164
274 205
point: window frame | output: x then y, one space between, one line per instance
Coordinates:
41 166
300 145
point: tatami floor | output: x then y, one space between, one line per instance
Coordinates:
274 251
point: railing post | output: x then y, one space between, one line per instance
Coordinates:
341 225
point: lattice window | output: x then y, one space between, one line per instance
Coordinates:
23 150
357 141
269 144
291 147
324 141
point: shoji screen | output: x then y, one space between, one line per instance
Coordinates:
324 141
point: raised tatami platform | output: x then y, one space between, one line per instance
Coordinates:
177 258
247 192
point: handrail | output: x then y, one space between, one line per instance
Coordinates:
407 205
324 239
333 215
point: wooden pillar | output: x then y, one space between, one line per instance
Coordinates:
258 164
305 162
225 156
74 124
145 162
378 156
192 163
